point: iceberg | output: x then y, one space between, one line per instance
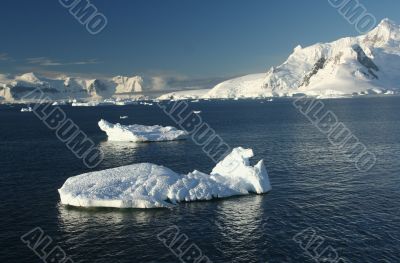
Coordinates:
147 185
146 103
85 104
140 133
28 109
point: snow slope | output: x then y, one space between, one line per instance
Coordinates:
140 133
247 86
148 185
367 64
184 94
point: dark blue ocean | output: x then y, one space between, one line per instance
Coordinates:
314 186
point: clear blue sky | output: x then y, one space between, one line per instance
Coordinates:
200 39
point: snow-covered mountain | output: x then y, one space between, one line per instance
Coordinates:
14 88
367 64
184 94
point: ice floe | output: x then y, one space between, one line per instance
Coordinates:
147 185
140 133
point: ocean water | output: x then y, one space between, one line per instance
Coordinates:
357 214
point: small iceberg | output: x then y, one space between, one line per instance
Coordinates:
59 103
28 109
123 117
197 111
146 103
147 185
140 133
85 104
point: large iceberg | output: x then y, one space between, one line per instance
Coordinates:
148 185
140 133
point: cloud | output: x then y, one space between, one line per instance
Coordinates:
4 57
159 83
48 62
54 74
174 81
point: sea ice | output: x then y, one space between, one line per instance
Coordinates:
140 133
147 185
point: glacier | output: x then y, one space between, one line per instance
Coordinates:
147 185
140 133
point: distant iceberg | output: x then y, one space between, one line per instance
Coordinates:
85 104
140 133
28 109
148 185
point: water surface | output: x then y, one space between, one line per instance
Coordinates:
314 185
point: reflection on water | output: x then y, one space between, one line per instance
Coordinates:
72 217
240 217
240 223
125 153
112 149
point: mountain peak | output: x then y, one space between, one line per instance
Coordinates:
28 77
386 31
387 23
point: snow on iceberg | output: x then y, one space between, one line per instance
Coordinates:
85 104
140 133
148 185
28 109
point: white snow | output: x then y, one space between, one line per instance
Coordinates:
351 66
367 64
184 95
147 185
64 87
247 86
146 103
59 103
141 133
28 109
128 85
85 104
